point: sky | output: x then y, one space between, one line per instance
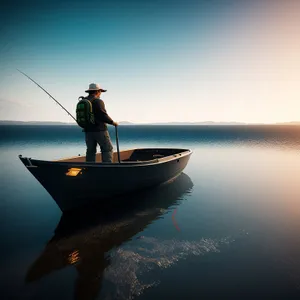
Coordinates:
160 61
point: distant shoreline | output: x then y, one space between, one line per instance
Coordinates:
8 122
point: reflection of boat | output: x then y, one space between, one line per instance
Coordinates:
82 239
72 182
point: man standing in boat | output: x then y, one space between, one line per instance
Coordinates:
98 133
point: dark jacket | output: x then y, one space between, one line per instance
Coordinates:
101 116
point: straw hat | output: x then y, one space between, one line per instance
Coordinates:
95 87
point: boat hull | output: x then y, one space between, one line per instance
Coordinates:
75 184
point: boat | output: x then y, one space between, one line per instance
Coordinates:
73 183
84 239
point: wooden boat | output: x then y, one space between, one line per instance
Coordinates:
73 182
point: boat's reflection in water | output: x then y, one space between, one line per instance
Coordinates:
83 239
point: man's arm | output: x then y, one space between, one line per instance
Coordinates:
100 107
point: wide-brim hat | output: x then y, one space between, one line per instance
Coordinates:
95 87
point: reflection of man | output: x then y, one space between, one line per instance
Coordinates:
90 276
90 263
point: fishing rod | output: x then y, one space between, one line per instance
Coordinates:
48 94
117 139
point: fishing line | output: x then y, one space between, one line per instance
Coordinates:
48 94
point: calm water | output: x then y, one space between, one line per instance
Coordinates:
227 228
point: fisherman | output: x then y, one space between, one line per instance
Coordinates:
98 133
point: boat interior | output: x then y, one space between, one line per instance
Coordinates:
133 155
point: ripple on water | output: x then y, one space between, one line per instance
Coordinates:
130 263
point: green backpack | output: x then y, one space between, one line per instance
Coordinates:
84 113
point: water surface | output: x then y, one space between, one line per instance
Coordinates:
227 228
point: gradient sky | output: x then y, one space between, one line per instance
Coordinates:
161 61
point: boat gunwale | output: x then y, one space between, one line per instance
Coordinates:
156 161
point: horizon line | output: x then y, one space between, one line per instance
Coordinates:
161 122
